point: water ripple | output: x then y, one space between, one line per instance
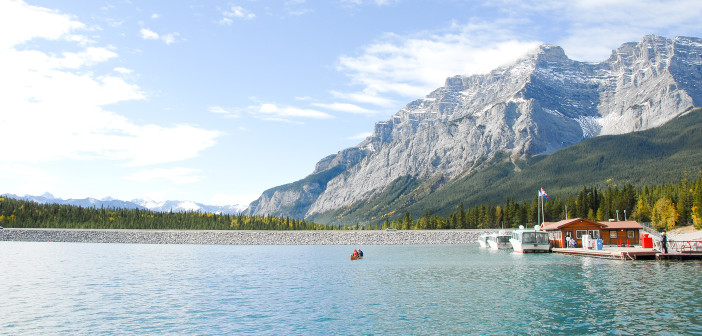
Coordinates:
116 289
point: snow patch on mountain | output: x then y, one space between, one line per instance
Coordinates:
590 125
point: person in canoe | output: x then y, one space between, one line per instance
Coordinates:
357 254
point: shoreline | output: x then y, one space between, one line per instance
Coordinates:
246 237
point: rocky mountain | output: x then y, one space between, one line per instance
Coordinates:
109 202
537 105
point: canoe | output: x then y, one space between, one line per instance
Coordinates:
354 258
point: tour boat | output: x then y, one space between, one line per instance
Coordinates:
499 240
530 241
482 240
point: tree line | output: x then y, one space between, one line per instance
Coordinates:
665 206
26 214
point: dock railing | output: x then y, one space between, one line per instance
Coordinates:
679 246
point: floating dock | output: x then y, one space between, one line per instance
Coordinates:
680 256
622 253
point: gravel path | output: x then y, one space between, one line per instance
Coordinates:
413 237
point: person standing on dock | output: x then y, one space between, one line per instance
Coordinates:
664 242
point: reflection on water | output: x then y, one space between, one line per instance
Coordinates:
66 288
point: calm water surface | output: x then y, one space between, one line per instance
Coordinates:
119 289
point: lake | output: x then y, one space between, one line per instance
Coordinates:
117 289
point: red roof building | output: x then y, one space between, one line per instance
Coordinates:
611 233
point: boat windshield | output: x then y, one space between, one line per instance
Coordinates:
535 238
503 239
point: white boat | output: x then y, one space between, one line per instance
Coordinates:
530 240
499 240
482 240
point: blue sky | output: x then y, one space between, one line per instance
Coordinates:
217 101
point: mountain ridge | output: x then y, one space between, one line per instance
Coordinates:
659 155
539 104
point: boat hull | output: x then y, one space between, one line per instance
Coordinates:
356 258
499 241
529 248
499 246
483 241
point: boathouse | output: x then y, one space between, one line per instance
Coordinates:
611 233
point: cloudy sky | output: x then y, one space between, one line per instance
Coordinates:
217 101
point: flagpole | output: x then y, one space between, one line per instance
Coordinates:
538 208
543 213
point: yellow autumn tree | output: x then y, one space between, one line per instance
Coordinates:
697 217
664 215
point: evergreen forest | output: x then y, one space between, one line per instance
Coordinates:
665 206
25 214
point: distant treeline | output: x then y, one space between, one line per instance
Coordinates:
665 206
25 214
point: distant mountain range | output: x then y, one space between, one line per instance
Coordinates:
146 204
478 130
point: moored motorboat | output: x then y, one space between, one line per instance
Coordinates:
499 240
482 240
530 240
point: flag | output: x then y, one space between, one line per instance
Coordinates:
543 194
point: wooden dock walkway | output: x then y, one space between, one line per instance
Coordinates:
622 253
680 256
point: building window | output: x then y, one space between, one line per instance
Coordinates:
630 234
580 233
595 234
568 234
613 234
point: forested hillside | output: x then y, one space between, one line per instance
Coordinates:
665 206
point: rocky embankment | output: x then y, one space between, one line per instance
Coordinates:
430 237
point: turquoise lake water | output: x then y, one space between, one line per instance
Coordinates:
122 289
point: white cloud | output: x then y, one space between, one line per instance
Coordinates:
123 70
148 34
273 112
20 22
590 29
366 97
414 66
236 12
228 113
345 107
177 175
54 103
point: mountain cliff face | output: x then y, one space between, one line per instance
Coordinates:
541 103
